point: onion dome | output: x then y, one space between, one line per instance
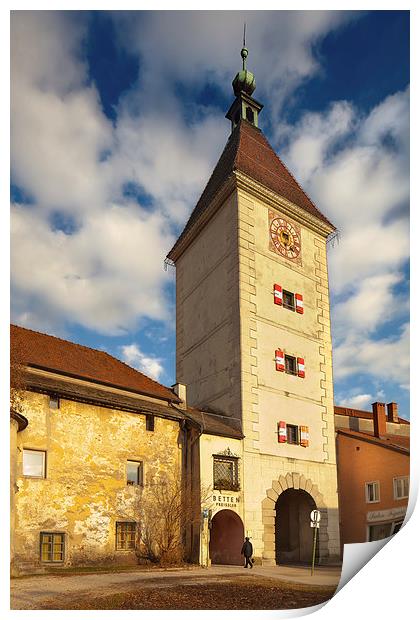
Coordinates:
244 80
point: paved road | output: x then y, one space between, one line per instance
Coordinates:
32 592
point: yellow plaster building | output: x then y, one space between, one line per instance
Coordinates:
254 345
91 438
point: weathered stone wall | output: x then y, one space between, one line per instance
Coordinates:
85 491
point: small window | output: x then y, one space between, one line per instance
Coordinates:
125 535
249 115
292 434
288 300
225 473
150 422
401 487
52 547
34 463
54 402
134 473
290 364
372 492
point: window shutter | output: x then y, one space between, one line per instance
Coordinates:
281 432
278 295
299 303
304 436
279 360
301 367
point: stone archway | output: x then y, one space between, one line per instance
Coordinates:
296 481
226 538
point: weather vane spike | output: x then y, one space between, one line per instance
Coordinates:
244 32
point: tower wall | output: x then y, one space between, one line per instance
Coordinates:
207 319
269 396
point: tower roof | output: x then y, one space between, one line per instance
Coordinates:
248 151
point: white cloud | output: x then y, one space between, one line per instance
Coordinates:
108 274
151 366
195 46
370 303
104 277
386 358
357 400
356 170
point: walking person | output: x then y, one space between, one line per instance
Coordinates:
247 552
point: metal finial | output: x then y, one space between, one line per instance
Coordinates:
244 51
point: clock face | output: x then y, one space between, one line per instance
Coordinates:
285 238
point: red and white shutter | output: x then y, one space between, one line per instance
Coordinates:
304 436
299 303
278 295
281 432
279 360
301 367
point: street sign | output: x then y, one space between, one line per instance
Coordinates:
316 516
315 519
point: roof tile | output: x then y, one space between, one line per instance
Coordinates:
247 150
62 356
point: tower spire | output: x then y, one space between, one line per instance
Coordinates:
244 107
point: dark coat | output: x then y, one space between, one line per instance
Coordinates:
247 549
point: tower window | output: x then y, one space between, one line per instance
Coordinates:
150 422
292 434
290 364
249 115
288 300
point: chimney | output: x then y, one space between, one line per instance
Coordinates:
392 410
379 419
181 391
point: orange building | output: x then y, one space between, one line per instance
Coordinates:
373 460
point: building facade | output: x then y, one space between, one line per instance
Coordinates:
254 343
373 458
90 441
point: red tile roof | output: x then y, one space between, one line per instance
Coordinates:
68 358
397 442
248 151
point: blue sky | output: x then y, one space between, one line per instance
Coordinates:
117 121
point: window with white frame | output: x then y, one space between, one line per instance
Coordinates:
134 473
372 492
401 487
34 463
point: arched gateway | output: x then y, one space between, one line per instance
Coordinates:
293 532
226 538
286 517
